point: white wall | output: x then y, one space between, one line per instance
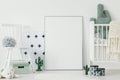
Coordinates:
32 12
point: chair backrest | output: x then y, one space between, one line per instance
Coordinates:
15 31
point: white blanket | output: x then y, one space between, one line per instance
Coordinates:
114 40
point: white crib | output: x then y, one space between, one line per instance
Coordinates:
98 47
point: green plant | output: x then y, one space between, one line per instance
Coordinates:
39 63
86 69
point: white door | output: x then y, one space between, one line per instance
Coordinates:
63 43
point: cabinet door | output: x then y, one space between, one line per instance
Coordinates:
63 43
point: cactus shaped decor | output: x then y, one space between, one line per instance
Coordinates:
39 63
86 69
103 16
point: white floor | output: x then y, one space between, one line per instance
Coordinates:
67 75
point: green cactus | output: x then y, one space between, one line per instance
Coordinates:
86 69
103 16
39 63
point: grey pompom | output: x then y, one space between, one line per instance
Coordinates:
9 42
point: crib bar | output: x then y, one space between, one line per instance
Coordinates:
103 42
95 49
102 54
92 45
98 49
106 57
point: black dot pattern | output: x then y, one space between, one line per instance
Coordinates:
43 53
28 36
35 42
25 53
35 53
29 62
31 45
43 36
39 45
36 36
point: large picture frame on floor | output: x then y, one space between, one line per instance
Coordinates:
63 42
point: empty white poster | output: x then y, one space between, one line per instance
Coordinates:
63 43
